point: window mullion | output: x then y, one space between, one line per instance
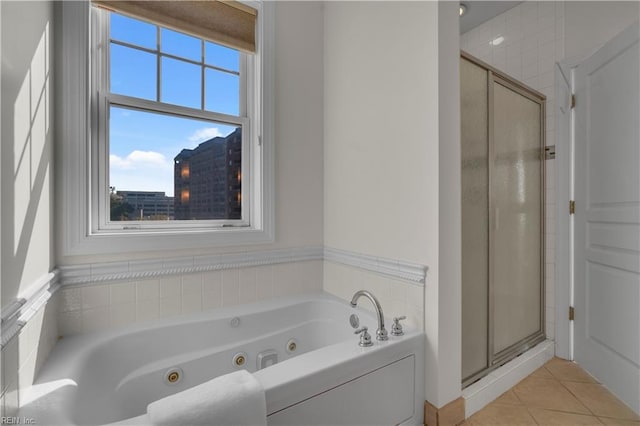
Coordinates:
99 148
202 76
158 66
176 110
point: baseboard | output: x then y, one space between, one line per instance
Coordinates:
487 389
450 415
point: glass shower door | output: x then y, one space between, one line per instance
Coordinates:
502 176
475 216
517 217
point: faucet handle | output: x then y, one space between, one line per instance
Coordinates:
396 328
365 337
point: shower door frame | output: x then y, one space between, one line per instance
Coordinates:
495 360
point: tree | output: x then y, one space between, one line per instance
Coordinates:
120 210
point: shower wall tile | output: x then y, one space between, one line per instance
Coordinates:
533 41
118 304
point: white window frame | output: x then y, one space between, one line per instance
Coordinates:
83 188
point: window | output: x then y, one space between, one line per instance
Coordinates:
172 110
179 137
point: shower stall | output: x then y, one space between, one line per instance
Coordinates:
502 150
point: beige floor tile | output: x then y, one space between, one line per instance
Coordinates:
501 414
618 422
508 398
541 373
550 394
568 371
600 401
559 418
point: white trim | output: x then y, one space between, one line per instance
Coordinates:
95 273
411 272
12 309
564 221
143 269
27 304
72 189
490 387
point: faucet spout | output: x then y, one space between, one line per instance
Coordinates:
381 333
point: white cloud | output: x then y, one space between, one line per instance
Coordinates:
204 134
138 159
141 171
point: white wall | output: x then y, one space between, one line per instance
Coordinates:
448 304
380 129
298 205
381 164
27 139
590 24
27 187
377 138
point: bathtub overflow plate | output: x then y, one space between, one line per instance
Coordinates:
234 322
354 321
173 376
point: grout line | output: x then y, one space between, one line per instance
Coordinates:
531 414
577 398
555 379
616 418
514 392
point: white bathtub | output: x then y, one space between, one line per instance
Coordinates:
111 377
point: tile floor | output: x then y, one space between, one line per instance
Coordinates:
559 393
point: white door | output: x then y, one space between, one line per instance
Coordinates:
607 218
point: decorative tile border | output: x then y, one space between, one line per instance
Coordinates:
412 272
140 269
21 310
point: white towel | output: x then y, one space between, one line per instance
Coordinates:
230 400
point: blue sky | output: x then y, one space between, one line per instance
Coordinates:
142 144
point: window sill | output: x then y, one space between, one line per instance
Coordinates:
121 243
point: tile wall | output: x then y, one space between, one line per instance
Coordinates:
533 35
396 296
96 307
25 353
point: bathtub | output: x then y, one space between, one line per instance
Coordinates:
321 375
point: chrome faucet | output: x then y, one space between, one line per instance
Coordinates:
381 333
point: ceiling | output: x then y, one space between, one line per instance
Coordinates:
481 11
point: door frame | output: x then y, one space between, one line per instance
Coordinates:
563 328
565 186
565 227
